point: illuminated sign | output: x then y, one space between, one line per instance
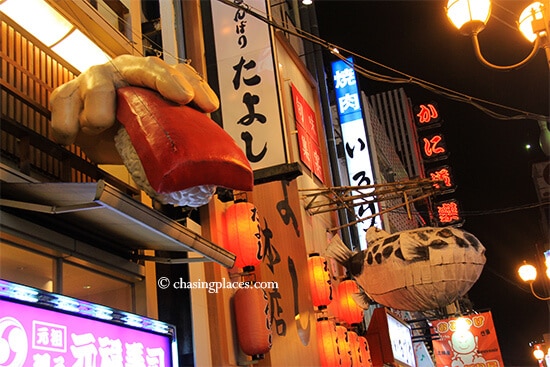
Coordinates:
308 140
467 341
447 212
443 178
427 115
248 87
433 147
354 136
390 340
48 330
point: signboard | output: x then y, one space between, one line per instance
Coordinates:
38 336
444 178
467 341
390 340
356 144
308 140
427 115
433 148
447 212
247 79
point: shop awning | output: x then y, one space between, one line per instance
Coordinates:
105 211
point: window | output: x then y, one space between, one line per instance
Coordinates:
38 270
89 285
26 267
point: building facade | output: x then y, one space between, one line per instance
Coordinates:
83 230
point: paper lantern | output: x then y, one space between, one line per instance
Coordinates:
253 321
354 347
416 270
327 343
347 310
319 281
343 346
243 234
364 351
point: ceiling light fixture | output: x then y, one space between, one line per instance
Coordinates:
56 32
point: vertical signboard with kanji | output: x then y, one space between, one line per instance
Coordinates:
247 79
467 341
354 136
308 140
434 150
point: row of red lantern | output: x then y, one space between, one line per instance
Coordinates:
341 301
339 347
242 236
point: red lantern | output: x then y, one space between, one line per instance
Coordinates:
243 234
327 343
253 321
343 346
347 309
319 281
365 352
354 348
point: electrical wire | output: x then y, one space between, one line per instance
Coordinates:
403 78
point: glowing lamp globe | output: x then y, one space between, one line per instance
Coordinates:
538 353
243 234
469 16
532 13
319 281
527 272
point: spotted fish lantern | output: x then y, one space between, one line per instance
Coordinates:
416 270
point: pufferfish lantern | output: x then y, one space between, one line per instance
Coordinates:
416 270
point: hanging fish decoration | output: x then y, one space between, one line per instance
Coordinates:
416 270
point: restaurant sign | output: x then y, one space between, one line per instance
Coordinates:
42 329
356 143
249 93
467 341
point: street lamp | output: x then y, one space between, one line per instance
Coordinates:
540 354
528 273
470 17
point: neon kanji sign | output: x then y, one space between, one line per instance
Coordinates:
442 176
447 212
427 115
433 147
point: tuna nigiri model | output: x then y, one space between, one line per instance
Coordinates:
415 270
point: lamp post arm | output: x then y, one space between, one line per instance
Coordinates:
536 295
477 50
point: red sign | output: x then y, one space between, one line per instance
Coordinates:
447 212
426 115
442 177
469 341
433 147
306 124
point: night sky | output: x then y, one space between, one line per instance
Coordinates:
488 156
